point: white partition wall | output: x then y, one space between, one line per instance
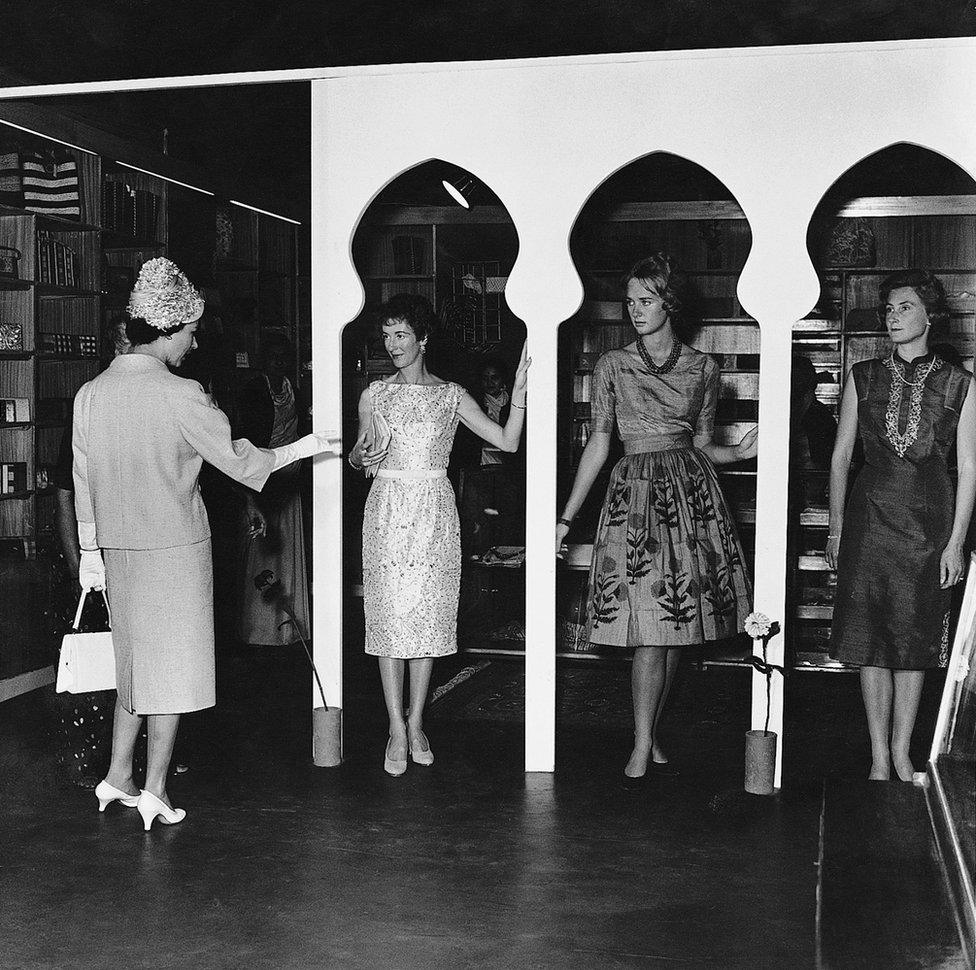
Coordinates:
777 126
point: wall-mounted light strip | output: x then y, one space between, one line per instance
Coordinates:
264 212
165 178
40 134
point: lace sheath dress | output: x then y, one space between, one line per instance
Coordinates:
411 536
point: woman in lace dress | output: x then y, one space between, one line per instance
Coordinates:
667 570
411 538
898 545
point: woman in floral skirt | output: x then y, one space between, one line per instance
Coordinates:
667 569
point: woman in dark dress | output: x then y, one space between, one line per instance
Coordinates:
270 414
667 569
898 545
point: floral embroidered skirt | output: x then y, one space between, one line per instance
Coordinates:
668 568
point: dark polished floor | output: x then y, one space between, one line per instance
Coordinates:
468 864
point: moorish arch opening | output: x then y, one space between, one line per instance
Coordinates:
438 233
902 209
660 547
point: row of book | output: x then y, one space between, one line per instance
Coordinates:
130 211
56 263
13 477
77 344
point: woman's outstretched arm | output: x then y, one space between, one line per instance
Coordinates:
504 438
594 457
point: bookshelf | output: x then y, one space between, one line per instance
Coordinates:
256 291
50 315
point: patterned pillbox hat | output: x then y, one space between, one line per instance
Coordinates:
163 296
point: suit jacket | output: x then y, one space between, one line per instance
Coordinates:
140 435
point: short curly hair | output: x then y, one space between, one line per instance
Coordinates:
928 287
140 333
657 274
411 308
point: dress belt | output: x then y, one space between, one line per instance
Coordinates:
657 442
414 473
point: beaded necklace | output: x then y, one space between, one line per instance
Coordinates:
902 442
668 365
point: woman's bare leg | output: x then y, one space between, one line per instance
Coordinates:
391 674
125 732
652 673
162 737
657 752
904 707
877 689
420 671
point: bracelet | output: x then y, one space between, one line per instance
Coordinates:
833 537
566 522
521 407
352 464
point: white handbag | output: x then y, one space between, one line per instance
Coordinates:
87 660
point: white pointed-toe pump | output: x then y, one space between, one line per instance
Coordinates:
150 808
106 794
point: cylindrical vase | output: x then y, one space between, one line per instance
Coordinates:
760 762
327 736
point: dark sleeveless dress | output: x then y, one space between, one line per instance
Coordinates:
889 610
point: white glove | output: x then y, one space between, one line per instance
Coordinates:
311 444
91 570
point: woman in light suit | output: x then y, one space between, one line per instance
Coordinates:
140 436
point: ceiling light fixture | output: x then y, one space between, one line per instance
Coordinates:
461 189
264 212
165 178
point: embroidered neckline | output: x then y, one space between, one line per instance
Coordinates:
901 442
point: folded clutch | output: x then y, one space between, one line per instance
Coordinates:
377 438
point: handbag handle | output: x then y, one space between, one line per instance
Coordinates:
81 606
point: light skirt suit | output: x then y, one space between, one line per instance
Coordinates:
140 436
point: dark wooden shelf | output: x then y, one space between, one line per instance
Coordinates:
16 354
13 283
404 276
15 495
814 611
47 358
52 289
60 223
15 424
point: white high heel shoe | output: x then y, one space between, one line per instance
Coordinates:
393 766
150 808
422 757
106 794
